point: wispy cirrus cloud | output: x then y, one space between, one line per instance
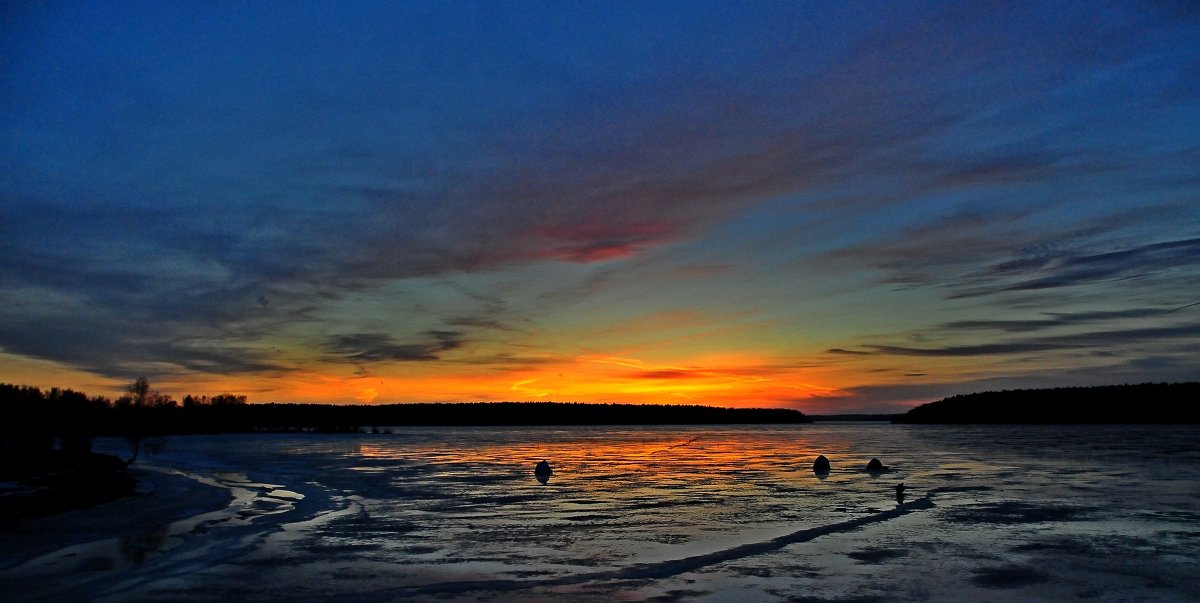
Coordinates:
992 254
1112 339
1065 270
1052 320
379 347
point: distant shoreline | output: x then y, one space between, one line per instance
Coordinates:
855 418
1144 403
355 418
37 422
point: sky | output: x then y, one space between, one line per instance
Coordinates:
829 206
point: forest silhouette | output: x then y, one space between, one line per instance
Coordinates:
1140 403
67 419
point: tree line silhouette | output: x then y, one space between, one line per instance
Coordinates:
1140 403
68 419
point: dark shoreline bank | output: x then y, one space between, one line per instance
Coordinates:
160 499
46 482
1145 403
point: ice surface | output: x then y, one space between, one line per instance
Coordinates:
691 513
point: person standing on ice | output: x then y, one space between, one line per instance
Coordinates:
542 471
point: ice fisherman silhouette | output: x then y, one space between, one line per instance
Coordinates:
821 466
542 471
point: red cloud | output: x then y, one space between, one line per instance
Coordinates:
600 242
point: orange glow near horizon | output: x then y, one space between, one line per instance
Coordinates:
727 380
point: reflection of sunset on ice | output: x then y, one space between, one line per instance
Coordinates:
637 513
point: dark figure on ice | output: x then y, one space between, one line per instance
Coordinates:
900 493
542 472
821 465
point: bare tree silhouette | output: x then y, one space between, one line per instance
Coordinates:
139 394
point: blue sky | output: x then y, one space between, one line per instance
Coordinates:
831 206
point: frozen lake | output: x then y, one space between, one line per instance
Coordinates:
1100 513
